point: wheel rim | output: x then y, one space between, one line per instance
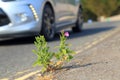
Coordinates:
48 23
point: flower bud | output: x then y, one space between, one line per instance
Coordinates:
66 34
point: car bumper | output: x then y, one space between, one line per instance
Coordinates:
20 20
27 29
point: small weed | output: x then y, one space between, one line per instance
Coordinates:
44 56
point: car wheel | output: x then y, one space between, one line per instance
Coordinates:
48 23
79 22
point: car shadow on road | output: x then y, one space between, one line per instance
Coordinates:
30 40
17 41
86 32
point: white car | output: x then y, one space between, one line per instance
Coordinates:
19 18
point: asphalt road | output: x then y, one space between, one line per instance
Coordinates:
16 55
101 62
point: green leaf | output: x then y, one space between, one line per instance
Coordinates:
70 56
64 51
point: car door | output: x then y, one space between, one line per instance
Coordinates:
73 8
61 11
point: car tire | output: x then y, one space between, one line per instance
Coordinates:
48 23
79 22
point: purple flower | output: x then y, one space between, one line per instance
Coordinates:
66 34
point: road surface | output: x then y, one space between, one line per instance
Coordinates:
101 62
16 57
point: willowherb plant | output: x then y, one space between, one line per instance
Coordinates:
44 56
64 53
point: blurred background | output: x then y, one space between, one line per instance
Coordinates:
101 10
